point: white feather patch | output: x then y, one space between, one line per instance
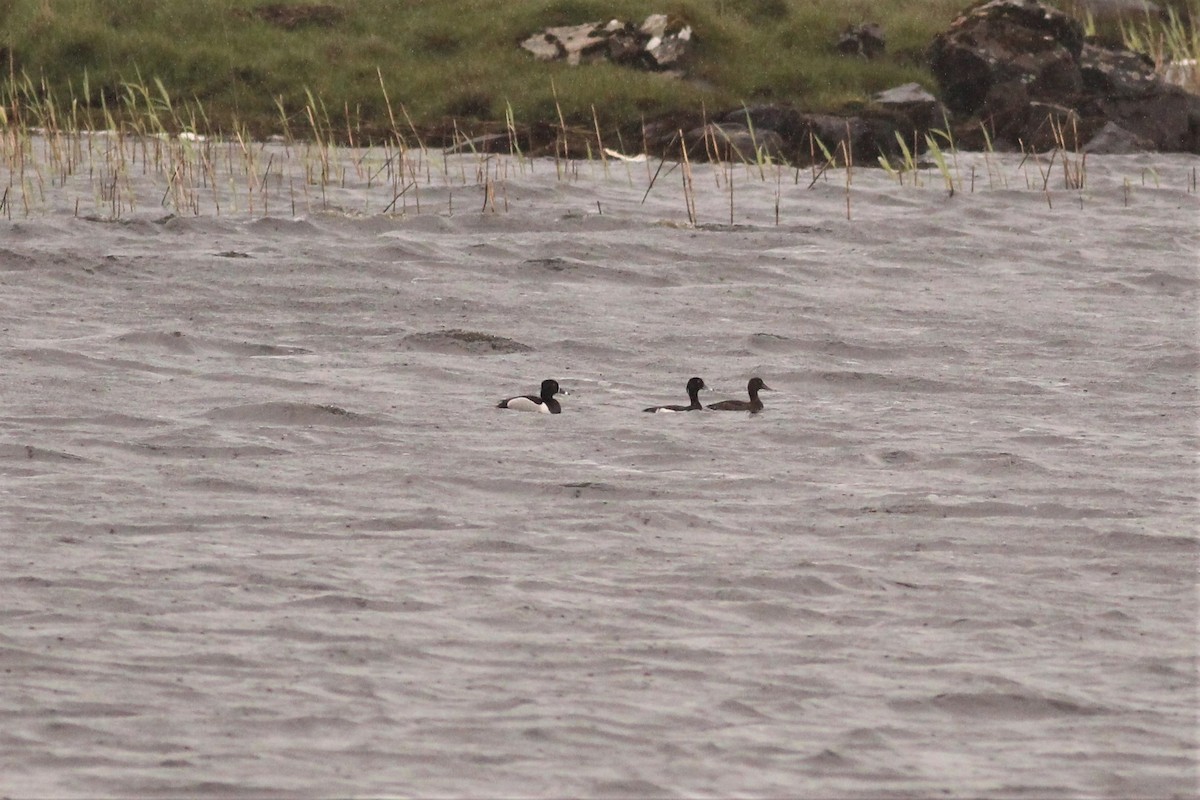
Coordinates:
525 404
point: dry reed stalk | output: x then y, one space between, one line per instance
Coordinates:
848 151
416 185
646 150
730 178
503 186
600 142
562 127
689 197
778 190
654 178
1046 175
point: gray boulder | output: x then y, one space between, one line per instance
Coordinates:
1112 139
658 44
910 102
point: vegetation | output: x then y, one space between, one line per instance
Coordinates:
235 64
360 70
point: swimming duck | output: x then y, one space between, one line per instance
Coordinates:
753 405
693 389
543 403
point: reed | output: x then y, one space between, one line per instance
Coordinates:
848 154
939 159
689 194
158 151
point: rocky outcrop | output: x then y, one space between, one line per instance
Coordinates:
1025 71
733 141
658 44
1003 54
1014 74
784 132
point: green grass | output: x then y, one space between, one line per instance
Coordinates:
452 59
224 69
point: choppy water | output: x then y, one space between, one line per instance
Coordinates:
266 534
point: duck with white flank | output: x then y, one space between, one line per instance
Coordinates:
693 389
543 403
753 405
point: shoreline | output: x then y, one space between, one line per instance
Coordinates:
109 175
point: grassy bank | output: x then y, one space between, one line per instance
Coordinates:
238 65
447 60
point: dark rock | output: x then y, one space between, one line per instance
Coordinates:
1112 139
842 136
1048 125
788 121
1022 71
866 41
1005 109
1116 73
728 141
1005 41
1168 119
801 135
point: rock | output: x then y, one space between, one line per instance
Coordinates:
912 103
1122 87
801 135
787 121
657 44
1116 73
1169 119
655 26
864 40
1022 70
570 43
1115 140
1049 125
1007 42
839 133
730 141
669 51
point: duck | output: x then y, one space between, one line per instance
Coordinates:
543 403
753 405
693 390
